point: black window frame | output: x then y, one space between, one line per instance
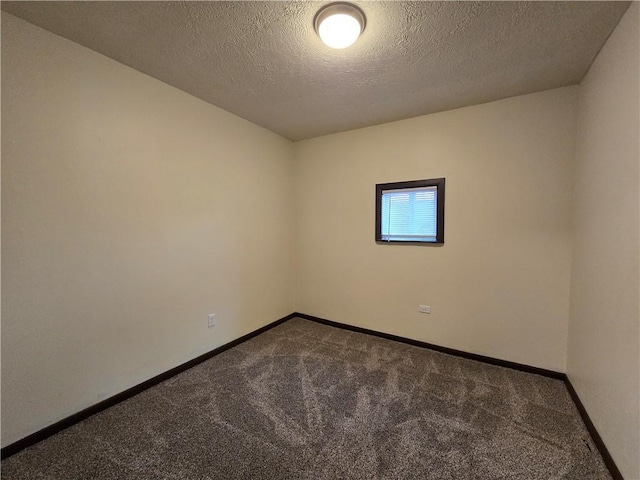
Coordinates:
439 183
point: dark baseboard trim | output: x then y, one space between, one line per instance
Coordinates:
595 436
430 346
604 452
46 432
109 402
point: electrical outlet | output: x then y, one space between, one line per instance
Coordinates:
212 319
424 308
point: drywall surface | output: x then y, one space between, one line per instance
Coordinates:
604 330
130 211
499 285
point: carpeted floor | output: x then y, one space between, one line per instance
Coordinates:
308 401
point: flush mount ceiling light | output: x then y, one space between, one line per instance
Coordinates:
339 24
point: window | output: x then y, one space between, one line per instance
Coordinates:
410 211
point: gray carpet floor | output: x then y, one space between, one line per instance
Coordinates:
308 401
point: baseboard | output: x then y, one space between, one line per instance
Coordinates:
595 436
604 452
46 432
430 346
109 402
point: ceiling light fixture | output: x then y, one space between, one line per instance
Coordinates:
339 24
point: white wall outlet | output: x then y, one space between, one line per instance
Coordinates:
212 319
424 308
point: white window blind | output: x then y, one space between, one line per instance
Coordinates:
409 214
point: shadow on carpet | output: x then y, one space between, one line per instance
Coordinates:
308 401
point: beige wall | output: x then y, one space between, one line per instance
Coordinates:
500 284
603 356
130 211
120 233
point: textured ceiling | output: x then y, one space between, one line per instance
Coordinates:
264 62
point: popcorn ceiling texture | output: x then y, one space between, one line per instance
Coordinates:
308 401
264 62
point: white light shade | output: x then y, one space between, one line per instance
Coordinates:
339 25
339 31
